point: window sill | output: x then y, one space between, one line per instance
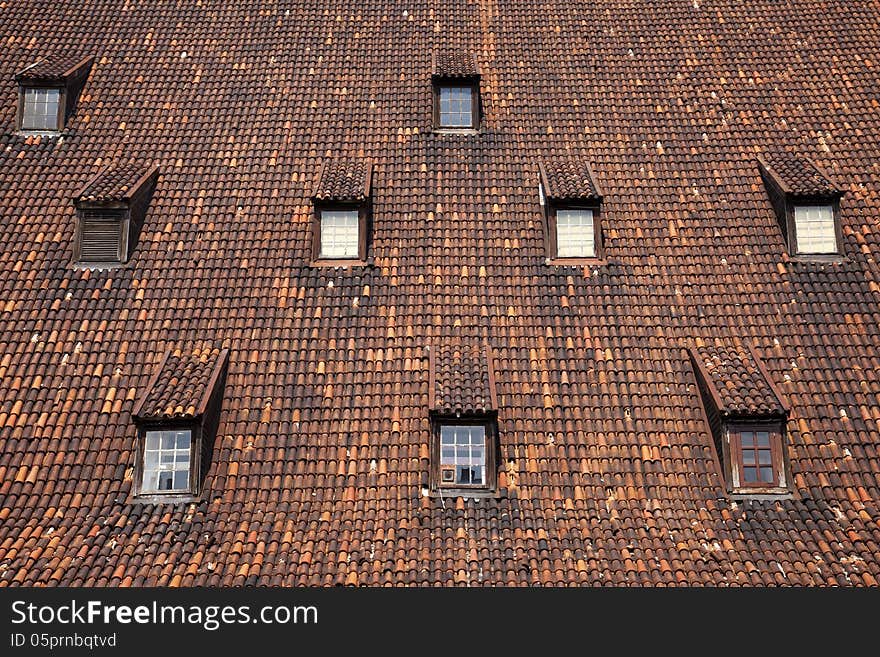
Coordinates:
39 133
98 265
165 498
821 258
456 131
476 493
340 262
576 262
761 494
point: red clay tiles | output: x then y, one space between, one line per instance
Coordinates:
343 180
117 184
462 378
182 385
55 68
569 180
451 64
319 471
736 378
798 176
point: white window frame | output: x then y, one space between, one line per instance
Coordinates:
806 214
580 238
330 246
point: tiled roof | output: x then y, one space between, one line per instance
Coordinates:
450 64
344 179
798 176
318 473
52 68
116 183
736 377
181 385
569 180
462 378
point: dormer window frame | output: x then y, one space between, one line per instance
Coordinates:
733 429
122 214
446 488
364 218
68 83
785 203
193 490
473 84
551 221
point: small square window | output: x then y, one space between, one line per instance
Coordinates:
465 453
340 234
456 107
815 229
757 453
40 109
167 461
575 234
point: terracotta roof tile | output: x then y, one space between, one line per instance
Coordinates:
181 385
344 180
116 183
462 378
799 175
735 374
53 68
566 179
453 63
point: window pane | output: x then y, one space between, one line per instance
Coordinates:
747 438
476 475
339 233
167 441
764 456
763 439
447 435
464 475
40 111
750 474
153 439
166 480
767 475
574 234
181 479
183 438
447 455
748 457
814 229
456 107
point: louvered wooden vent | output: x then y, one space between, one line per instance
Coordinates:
101 237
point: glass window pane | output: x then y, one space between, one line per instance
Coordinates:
767 475
151 459
153 439
339 233
447 454
747 438
814 229
763 439
166 480
765 457
447 435
183 438
476 475
575 237
463 475
748 457
181 479
167 441
750 474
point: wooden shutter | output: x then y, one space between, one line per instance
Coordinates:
100 237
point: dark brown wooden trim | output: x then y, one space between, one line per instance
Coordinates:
717 458
490 487
490 365
316 185
219 367
77 68
61 117
364 229
704 375
368 179
122 250
154 378
778 457
432 378
195 463
793 245
763 370
476 105
553 207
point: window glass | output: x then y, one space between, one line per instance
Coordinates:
40 110
575 237
456 107
757 458
814 229
463 449
339 234
166 461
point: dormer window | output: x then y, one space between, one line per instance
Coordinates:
456 82
807 205
464 422
110 213
176 422
341 228
747 416
49 90
572 208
